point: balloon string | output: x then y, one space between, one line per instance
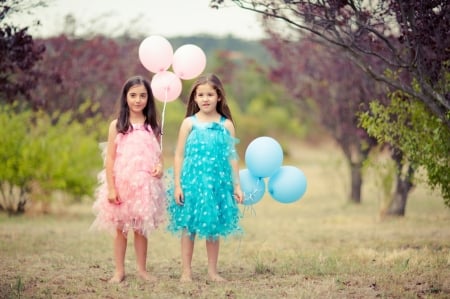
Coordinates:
249 208
251 195
163 118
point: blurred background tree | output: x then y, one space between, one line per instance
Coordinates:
402 44
19 54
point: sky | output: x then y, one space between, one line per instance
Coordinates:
168 18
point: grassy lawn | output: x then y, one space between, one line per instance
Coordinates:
317 247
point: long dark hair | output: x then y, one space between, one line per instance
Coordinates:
214 81
150 113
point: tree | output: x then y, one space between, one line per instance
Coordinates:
91 69
19 55
40 156
409 38
417 132
340 92
335 89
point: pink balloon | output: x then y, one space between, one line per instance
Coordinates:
189 61
155 53
166 86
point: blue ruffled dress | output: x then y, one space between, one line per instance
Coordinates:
210 210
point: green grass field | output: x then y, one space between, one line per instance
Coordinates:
317 247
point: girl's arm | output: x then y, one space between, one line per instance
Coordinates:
109 163
158 170
183 133
239 196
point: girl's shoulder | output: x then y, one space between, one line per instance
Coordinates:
189 119
227 123
113 122
187 123
113 125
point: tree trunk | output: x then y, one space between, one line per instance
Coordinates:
403 187
355 158
398 202
356 176
12 198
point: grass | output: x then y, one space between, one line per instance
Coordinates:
317 247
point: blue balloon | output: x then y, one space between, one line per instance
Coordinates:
252 187
263 156
287 185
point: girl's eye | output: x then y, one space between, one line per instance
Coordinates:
208 95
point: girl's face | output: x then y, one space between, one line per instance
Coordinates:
137 98
206 98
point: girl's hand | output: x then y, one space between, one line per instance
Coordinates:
113 198
178 194
158 171
238 195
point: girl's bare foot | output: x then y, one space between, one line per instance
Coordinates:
216 277
186 277
117 278
144 275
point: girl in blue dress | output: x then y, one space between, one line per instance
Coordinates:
203 201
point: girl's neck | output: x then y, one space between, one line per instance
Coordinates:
137 119
208 117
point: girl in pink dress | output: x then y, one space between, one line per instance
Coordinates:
131 195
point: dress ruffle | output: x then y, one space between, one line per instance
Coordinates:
142 196
210 210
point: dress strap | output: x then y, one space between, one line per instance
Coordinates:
222 119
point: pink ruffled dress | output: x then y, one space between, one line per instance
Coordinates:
142 196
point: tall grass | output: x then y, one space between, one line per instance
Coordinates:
318 247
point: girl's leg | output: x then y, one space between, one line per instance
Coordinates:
120 248
187 250
140 248
212 249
